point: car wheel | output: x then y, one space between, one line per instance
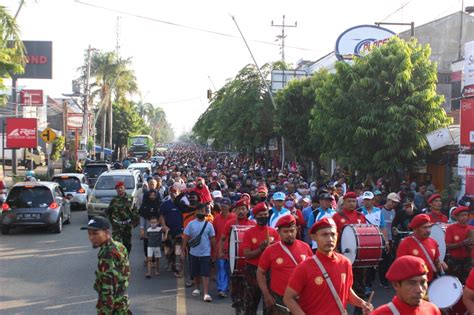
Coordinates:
5 230
58 227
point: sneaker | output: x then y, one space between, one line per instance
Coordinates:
189 283
207 298
222 294
196 292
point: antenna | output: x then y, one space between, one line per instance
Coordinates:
117 37
282 37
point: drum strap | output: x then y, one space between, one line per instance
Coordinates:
287 251
425 252
330 285
393 308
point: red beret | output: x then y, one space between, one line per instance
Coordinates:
286 220
262 189
406 267
459 210
433 197
350 194
241 203
259 207
322 224
245 195
419 220
119 184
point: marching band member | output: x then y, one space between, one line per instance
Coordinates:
322 284
434 210
468 295
458 243
420 244
281 259
256 239
408 275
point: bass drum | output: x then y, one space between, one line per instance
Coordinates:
445 292
438 233
236 255
362 244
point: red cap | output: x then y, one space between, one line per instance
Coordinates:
119 184
259 207
262 189
406 267
322 224
286 220
245 195
459 210
433 197
419 220
241 203
350 194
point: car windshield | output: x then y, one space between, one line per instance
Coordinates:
94 170
108 182
29 197
68 183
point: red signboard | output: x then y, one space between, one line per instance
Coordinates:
21 133
467 122
470 182
31 97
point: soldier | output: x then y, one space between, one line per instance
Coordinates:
123 216
113 269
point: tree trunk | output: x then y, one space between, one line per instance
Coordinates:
102 143
110 124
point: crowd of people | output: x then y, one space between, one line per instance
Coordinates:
269 236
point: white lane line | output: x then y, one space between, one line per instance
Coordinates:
180 297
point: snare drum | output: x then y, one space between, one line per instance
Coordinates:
236 255
445 292
362 244
438 233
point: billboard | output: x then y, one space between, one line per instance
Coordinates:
467 122
39 60
361 39
74 121
440 138
468 70
31 97
21 133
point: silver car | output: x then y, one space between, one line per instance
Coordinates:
104 190
35 204
75 187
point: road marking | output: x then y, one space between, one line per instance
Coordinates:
180 297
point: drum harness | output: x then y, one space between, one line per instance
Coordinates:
393 308
425 252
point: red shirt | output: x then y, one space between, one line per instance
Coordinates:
346 217
275 259
437 217
220 222
470 280
314 294
227 229
456 233
425 308
254 237
409 246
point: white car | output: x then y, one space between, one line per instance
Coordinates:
142 167
74 185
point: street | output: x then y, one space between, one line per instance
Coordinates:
49 273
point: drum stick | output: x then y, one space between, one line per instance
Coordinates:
371 297
282 307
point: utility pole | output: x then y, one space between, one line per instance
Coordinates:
283 36
85 122
15 104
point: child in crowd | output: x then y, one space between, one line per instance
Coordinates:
155 238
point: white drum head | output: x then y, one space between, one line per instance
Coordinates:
349 243
232 250
439 235
445 291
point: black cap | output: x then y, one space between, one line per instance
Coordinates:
97 223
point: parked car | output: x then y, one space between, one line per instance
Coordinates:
104 190
142 167
157 160
75 186
3 191
35 204
92 171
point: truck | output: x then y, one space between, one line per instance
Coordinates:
140 146
29 158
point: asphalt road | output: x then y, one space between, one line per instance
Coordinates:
45 273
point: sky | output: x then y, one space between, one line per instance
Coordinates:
176 53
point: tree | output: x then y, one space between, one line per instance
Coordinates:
12 58
374 114
127 122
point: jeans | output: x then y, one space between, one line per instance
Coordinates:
223 274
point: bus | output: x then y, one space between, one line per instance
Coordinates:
140 146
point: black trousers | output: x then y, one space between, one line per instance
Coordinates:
387 260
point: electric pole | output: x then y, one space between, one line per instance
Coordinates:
85 122
283 35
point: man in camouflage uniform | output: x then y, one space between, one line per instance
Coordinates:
123 216
113 270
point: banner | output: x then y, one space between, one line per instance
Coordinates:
468 70
21 133
31 97
39 60
467 122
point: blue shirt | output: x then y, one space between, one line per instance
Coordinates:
307 212
173 217
276 215
192 230
375 217
328 213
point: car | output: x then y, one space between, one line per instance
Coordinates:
3 191
75 186
158 160
104 190
41 204
142 167
92 171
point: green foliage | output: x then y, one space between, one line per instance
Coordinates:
58 148
374 114
161 129
126 122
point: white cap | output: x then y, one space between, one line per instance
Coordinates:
216 194
367 195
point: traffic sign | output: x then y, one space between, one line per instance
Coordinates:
48 135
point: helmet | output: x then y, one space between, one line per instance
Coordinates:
30 173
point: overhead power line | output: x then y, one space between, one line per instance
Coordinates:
397 10
194 28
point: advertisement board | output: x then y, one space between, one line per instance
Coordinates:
21 133
31 97
470 182
440 138
39 60
74 121
468 70
467 122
